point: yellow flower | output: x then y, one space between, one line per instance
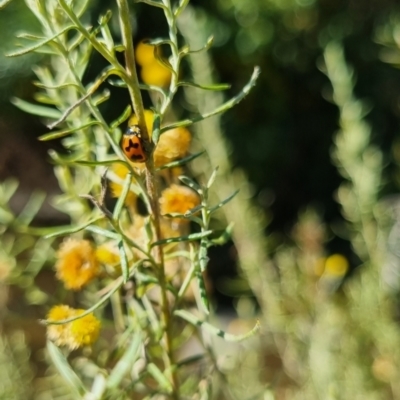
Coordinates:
80 332
107 254
153 71
76 263
120 170
178 199
336 265
58 333
173 144
156 74
144 54
83 331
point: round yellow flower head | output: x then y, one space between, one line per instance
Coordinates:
107 254
83 331
173 144
153 71
58 333
76 263
144 54
156 74
80 332
178 199
336 265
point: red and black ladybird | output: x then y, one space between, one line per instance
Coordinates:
132 145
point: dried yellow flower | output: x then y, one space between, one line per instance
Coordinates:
83 331
76 263
178 199
107 254
58 333
173 144
80 332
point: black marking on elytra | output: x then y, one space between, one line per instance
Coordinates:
132 145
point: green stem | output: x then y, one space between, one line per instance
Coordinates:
152 187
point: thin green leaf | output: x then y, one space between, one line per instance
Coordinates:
181 162
152 3
124 261
29 36
65 370
158 42
217 87
35 109
121 200
188 238
212 178
100 163
207 46
125 364
203 257
224 237
105 31
55 87
202 290
184 216
102 97
90 91
65 132
182 5
122 118
6 217
102 232
221 109
190 182
7 189
44 42
187 316
223 202
156 128
68 230
117 83
31 208
161 379
119 48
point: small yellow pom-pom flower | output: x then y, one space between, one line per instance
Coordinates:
153 71
178 199
156 74
107 254
336 265
173 144
58 333
144 54
76 263
83 331
80 332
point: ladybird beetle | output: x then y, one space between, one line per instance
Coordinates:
131 144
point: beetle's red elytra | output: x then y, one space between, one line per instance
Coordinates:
132 145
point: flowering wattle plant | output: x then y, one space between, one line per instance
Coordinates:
146 254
